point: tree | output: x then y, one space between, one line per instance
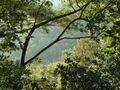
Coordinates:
21 14
24 17
91 65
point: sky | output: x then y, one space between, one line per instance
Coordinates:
56 3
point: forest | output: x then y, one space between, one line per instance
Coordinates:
59 44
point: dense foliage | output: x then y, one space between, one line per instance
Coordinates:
100 72
11 74
93 64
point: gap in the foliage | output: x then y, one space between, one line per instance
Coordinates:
41 39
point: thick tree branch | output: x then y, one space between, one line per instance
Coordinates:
72 22
52 43
58 38
25 46
67 27
48 46
41 24
61 16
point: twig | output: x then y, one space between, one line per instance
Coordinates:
36 16
71 5
77 3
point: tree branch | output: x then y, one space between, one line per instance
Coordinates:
71 5
100 11
77 3
77 37
37 13
23 63
25 46
52 43
61 16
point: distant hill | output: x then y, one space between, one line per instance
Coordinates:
41 39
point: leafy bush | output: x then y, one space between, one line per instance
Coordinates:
98 70
12 76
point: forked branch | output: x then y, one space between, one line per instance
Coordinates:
23 63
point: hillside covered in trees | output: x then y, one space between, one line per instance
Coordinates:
33 32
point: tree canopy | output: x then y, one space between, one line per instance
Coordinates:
98 21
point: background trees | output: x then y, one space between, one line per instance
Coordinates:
95 73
